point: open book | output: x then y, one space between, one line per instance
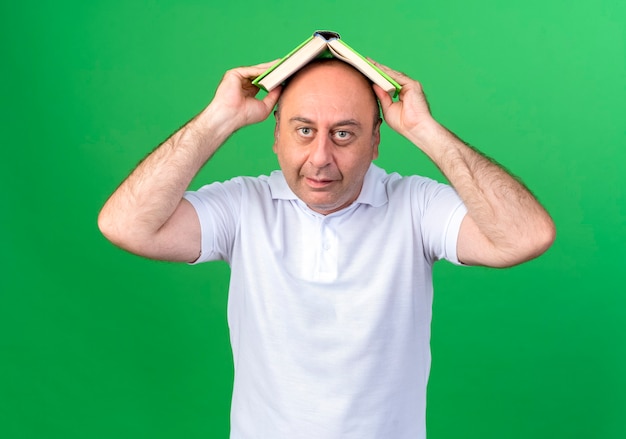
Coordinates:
323 44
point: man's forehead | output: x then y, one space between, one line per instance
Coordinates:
328 72
318 107
328 89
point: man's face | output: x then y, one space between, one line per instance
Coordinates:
326 135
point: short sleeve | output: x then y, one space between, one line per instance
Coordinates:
442 212
218 208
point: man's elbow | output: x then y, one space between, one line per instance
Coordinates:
537 242
109 227
119 233
544 236
175 244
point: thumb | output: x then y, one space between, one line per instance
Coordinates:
383 97
271 98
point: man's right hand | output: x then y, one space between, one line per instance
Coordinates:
147 215
235 104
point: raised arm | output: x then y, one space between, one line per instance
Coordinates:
147 214
505 224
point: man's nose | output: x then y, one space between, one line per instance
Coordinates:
321 151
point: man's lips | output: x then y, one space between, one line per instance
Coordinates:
318 183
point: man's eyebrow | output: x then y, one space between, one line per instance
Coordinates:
300 119
346 122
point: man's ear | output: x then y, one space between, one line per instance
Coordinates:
376 137
276 127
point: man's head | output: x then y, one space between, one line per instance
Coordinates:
327 134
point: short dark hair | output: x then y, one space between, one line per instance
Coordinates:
322 61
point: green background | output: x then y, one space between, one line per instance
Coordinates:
98 343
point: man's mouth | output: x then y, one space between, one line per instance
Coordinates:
318 183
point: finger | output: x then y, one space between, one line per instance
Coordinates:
383 96
400 77
268 64
272 97
253 71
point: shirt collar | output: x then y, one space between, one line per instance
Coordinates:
373 191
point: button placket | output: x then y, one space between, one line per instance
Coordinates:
328 255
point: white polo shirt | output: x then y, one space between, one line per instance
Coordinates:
329 316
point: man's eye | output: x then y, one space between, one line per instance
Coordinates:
342 135
305 131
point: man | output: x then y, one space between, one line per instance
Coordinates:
331 257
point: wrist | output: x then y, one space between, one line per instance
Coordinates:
214 124
426 132
433 139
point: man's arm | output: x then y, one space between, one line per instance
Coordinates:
505 224
147 214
